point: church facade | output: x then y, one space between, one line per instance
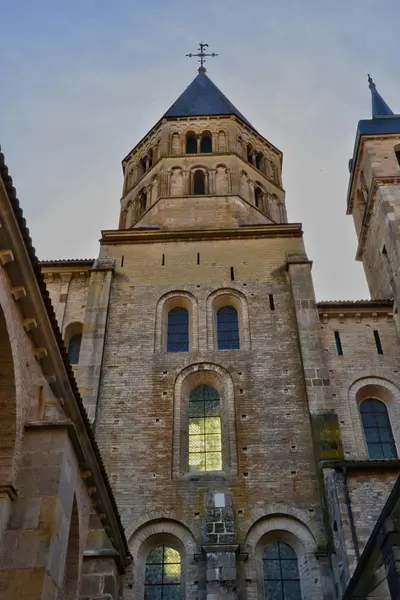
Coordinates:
188 422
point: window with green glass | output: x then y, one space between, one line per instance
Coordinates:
205 449
163 574
281 572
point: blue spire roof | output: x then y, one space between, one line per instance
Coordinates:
202 97
379 106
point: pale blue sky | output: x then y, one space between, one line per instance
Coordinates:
82 82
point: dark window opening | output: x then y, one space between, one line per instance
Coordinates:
271 301
178 330
258 195
377 429
150 158
191 143
338 343
250 154
259 158
232 274
163 260
122 260
228 328
199 184
142 165
397 153
198 258
378 342
74 348
281 572
143 201
206 143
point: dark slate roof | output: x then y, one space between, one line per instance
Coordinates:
379 106
202 97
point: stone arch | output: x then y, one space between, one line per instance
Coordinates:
73 340
188 379
173 534
222 141
176 144
173 299
191 146
72 559
382 389
244 185
8 406
228 297
281 527
199 180
176 181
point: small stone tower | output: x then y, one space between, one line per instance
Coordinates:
374 197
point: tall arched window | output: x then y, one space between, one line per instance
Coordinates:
163 574
206 142
74 348
199 184
191 143
205 449
281 572
249 154
142 201
377 429
228 329
259 160
178 330
258 196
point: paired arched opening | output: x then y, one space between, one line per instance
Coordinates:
73 341
196 144
176 323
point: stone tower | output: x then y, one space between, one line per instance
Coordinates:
374 197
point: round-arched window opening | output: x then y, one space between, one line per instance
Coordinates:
258 196
199 183
206 142
191 143
377 429
163 574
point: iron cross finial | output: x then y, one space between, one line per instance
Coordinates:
202 56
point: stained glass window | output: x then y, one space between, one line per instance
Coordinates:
228 328
178 330
281 573
205 449
163 574
74 348
377 429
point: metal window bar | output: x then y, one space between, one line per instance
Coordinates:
228 329
205 443
281 572
163 572
377 429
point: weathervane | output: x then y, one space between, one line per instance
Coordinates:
202 56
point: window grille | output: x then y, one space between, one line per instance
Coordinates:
205 444
74 348
178 330
281 572
377 429
163 574
228 328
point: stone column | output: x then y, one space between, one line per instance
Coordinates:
219 547
62 301
94 330
33 555
186 182
234 182
251 192
211 181
198 139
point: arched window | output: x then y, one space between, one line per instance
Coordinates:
74 348
163 574
377 429
191 143
205 443
206 142
150 158
397 153
178 330
142 201
259 160
142 166
249 154
228 328
258 196
281 572
199 184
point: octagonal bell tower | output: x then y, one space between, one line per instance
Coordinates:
203 165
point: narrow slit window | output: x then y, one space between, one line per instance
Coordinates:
178 330
271 301
228 329
198 258
377 429
163 574
74 348
232 274
378 342
205 441
338 342
122 260
163 260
